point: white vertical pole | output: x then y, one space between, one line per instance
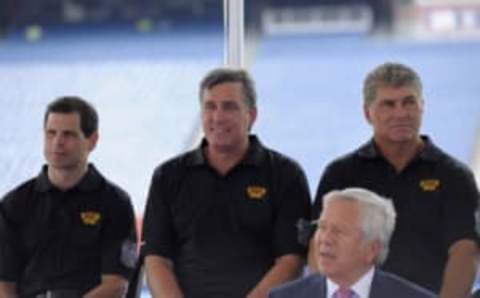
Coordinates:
233 11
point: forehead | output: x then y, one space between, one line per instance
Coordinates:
396 93
64 121
222 91
341 211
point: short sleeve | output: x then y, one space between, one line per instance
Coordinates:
158 235
293 204
119 241
11 264
332 178
461 203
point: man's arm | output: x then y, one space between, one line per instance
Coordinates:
286 268
160 277
112 286
460 270
293 203
312 257
8 289
10 264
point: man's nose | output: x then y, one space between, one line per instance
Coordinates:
58 139
324 237
218 115
400 110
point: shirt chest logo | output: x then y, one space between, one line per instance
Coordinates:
429 184
90 218
255 192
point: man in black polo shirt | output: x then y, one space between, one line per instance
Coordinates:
435 196
220 220
68 232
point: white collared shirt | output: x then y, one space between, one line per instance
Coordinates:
361 287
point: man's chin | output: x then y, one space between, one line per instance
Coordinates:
222 146
325 267
403 137
62 166
403 134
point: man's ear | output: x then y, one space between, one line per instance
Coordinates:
373 250
93 139
253 116
366 113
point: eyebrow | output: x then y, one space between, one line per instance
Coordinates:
410 96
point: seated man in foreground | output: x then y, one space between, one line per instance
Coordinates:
352 237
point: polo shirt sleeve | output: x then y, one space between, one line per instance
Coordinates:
158 233
461 202
11 264
294 204
334 177
119 241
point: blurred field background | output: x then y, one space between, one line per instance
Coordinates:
140 62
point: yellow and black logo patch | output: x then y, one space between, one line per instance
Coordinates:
90 218
256 192
429 184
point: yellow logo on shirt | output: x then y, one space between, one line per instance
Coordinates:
256 192
90 218
429 184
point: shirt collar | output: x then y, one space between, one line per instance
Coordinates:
361 287
254 156
90 181
430 152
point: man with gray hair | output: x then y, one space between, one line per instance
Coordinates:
352 236
435 243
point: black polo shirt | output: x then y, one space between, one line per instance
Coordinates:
223 233
53 239
435 197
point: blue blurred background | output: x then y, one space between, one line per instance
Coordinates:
140 61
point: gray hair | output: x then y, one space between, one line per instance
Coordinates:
377 216
390 74
230 75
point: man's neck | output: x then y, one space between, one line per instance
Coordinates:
400 154
360 283
225 160
65 179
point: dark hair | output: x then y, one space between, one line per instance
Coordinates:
230 75
390 74
73 104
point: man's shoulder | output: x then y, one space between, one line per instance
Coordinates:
433 153
116 192
279 161
347 160
20 192
176 163
396 286
281 158
18 202
450 162
310 286
97 182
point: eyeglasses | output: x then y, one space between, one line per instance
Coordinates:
305 230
